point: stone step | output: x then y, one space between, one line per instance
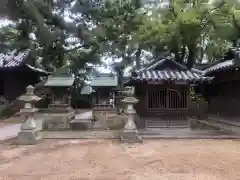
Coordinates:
81 124
82 135
166 123
230 123
221 125
99 125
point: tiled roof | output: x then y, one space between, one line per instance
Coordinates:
223 64
197 71
163 60
159 72
12 59
59 81
219 66
168 75
104 80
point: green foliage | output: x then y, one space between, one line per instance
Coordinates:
120 20
118 28
112 24
186 25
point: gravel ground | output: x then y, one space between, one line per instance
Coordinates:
110 160
3 124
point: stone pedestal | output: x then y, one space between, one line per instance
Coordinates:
57 121
131 137
58 118
130 132
29 137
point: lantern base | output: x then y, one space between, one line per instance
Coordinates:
130 136
29 137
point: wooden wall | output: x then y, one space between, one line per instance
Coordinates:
16 81
226 99
223 94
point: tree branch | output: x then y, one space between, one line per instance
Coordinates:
73 49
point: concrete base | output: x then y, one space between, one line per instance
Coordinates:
58 121
58 109
130 137
29 137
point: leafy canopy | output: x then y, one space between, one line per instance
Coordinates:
187 27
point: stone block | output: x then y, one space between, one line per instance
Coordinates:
57 121
60 109
29 137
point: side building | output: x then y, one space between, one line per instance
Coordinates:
223 93
16 75
163 90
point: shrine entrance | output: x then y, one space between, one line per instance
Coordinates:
162 99
166 107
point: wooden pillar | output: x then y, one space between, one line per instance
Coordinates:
97 96
53 97
146 99
167 98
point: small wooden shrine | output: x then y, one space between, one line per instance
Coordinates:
163 90
59 88
82 96
103 86
59 113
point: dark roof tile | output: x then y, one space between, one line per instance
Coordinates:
220 66
12 59
168 75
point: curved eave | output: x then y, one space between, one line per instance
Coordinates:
170 81
222 66
197 71
38 70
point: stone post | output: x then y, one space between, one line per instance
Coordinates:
29 133
130 132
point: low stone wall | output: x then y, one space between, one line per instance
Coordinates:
225 106
57 110
57 121
108 118
198 108
97 111
195 123
117 122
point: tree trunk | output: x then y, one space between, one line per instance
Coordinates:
183 52
177 56
120 69
120 78
191 58
138 53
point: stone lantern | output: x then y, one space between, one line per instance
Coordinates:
29 133
130 133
